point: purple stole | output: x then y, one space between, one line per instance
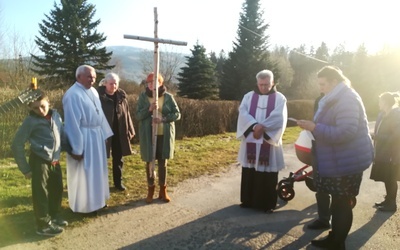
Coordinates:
265 147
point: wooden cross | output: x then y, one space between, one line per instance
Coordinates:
156 41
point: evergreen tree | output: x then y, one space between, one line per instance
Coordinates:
197 80
322 52
249 54
68 38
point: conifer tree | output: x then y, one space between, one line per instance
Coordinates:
249 54
68 38
197 80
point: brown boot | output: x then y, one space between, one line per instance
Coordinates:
150 193
163 194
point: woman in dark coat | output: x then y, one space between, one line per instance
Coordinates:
116 109
387 149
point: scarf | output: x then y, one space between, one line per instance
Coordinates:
265 147
161 91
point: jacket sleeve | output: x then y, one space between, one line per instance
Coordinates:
172 113
142 108
18 145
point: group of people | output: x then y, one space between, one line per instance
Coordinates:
97 125
341 150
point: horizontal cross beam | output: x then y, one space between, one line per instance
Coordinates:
155 40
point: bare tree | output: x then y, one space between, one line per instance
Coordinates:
170 64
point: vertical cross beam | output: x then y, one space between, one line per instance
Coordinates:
156 41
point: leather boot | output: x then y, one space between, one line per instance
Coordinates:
150 194
163 194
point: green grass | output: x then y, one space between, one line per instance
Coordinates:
194 157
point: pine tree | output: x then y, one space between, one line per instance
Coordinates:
249 55
68 38
197 80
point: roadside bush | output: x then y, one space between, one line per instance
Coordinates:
301 109
199 117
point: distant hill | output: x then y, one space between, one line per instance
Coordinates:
127 59
129 63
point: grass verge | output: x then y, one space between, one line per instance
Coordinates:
194 157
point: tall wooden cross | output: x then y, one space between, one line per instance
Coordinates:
156 41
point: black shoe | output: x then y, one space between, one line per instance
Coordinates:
269 211
50 230
382 203
388 208
120 187
60 222
317 225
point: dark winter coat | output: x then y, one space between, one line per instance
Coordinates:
387 147
126 130
170 112
343 145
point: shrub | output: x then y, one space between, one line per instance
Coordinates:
199 117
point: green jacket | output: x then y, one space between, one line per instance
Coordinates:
170 112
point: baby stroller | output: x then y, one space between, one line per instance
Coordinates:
303 152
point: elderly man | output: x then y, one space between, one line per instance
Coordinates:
87 130
261 123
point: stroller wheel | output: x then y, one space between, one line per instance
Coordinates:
286 192
282 182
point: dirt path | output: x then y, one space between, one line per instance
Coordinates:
204 214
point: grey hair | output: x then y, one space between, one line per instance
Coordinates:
81 69
264 74
102 82
112 76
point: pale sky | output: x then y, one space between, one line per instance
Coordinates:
213 23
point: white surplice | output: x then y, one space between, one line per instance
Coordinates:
87 130
274 125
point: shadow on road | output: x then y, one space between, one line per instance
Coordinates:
236 228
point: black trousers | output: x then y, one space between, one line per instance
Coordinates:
258 189
342 217
391 190
47 189
117 160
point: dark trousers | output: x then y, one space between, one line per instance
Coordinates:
47 189
323 204
162 165
391 190
342 217
117 160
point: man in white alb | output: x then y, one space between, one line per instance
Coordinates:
87 130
